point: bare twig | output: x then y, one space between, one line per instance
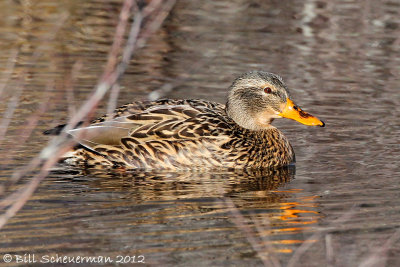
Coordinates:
26 192
273 260
308 243
51 153
69 85
268 259
9 112
36 55
158 19
118 39
162 91
378 256
169 87
112 73
112 100
150 28
31 123
10 68
329 250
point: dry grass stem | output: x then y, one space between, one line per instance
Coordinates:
265 253
69 86
329 250
307 244
9 70
378 255
138 35
9 112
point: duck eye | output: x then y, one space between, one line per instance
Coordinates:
267 90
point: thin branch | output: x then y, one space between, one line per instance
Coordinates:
378 256
10 69
69 86
118 38
9 112
308 243
154 25
268 259
112 73
329 250
31 122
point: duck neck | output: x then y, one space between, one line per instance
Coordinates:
267 148
250 122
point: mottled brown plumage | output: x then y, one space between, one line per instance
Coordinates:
194 134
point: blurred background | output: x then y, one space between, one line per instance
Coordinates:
339 206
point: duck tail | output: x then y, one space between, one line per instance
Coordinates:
58 129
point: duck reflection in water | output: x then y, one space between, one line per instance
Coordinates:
259 196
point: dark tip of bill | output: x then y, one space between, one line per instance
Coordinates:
323 124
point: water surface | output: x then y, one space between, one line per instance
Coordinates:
340 204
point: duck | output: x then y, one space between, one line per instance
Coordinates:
179 134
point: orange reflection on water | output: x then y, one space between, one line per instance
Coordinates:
290 229
289 214
284 250
291 210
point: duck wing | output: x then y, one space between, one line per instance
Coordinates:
166 121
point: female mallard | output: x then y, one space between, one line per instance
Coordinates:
193 134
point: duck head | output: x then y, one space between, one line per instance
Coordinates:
256 98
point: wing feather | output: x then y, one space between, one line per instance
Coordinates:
175 121
170 132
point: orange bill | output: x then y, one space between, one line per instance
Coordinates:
291 111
